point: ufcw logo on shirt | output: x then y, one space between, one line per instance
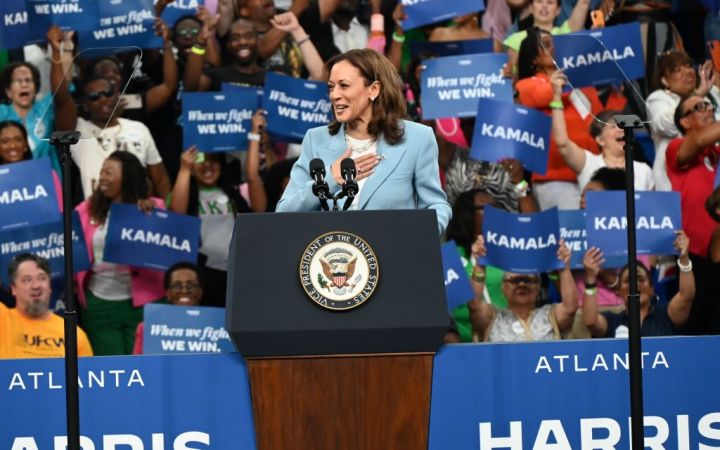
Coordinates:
41 342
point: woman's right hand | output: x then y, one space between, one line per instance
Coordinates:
188 158
557 79
478 249
364 166
593 261
259 122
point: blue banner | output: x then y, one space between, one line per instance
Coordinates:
657 216
179 8
185 329
573 395
506 130
458 289
154 241
77 15
573 231
218 121
123 23
589 58
130 402
521 243
453 85
294 105
451 48
44 240
27 194
15 31
423 12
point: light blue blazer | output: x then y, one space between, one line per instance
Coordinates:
407 178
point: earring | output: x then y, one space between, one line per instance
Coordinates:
372 99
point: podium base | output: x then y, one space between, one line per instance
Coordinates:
349 402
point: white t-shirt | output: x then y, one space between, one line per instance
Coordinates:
644 180
109 281
355 37
96 144
216 226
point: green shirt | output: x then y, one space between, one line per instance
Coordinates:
514 40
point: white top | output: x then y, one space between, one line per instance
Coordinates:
366 148
355 37
644 180
96 144
108 281
216 226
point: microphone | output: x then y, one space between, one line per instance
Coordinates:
320 188
350 187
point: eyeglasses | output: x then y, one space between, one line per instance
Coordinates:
188 32
515 281
179 287
700 107
95 96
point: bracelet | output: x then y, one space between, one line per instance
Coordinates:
521 189
478 275
200 51
683 268
397 38
303 40
590 291
553 276
556 104
254 137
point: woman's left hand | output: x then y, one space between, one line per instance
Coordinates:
682 243
514 168
564 253
145 205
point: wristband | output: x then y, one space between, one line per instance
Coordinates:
590 291
200 51
303 40
478 274
254 137
556 104
683 268
521 189
397 38
553 276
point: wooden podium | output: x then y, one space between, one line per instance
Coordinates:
322 379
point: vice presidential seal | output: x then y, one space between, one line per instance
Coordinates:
339 270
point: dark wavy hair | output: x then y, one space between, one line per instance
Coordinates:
666 64
461 227
6 77
134 185
530 49
389 108
27 154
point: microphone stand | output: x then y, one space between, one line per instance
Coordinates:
628 123
62 140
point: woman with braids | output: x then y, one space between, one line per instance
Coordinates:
112 295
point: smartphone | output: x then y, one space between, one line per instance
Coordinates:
598 18
132 101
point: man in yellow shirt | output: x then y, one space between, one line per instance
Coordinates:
31 330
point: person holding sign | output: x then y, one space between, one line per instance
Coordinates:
522 320
656 319
396 160
111 295
31 330
609 138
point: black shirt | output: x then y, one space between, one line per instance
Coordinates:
656 323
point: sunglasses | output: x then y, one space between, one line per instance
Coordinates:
699 107
515 281
188 32
95 96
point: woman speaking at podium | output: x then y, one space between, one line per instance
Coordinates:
396 160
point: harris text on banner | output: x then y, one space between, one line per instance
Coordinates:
507 130
218 121
185 329
27 194
458 289
657 216
153 241
77 15
605 56
521 243
423 12
452 85
294 105
123 23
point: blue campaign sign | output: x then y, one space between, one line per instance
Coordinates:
451 48
153 241
218 121
123 23
15 31
27 194
77 15
573 395
294 105
179 8
603 56
458 289
657 217
231 87
506 130
521 243
130 402
452 86
423 12
185 329
45 240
